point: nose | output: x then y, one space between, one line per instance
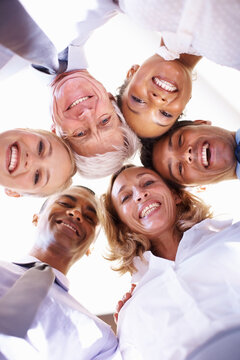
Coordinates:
162 98
140 195
86 113
187 155
76 214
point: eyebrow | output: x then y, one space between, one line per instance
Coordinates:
73 198
90 208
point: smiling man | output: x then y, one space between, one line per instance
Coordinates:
193 153
87 117
62 328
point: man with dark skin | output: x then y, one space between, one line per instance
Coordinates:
193 153
62 327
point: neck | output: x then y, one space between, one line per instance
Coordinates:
190 61
59 262
166 245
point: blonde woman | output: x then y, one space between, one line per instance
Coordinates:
185 264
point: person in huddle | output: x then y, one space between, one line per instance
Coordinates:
185 265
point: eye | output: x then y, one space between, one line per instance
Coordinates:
136 99
80 133
64 204
147 183
180 141
105 121
180 168
40 147
166 114
125 198
36 177
89 219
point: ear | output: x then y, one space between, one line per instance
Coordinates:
35 219
53 128
132 71
202 122
111 97
177 198
88 252
12 193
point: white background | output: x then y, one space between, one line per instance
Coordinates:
25 99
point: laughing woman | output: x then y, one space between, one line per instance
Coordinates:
185 264
34 162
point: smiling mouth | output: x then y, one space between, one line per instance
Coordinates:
206 155
13 159
78 101
165 85
71 227
149 209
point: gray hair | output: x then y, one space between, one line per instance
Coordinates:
102 165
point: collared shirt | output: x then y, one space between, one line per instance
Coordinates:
78 19
178 305
62 329
207 28
238 142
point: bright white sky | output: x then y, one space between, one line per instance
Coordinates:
25 103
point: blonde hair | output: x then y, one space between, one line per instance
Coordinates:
68 182
124 244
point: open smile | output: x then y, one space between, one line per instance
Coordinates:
68 225
13 155
78 101
206 154
149 209
164 85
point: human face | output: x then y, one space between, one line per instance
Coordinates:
195 155
84 114
144 202
68 222
156 95
29 162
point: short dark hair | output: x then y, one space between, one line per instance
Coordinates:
148 143
78 186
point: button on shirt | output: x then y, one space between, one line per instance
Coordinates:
62 329
178 305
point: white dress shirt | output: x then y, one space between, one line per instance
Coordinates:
66 26
209 28
178 305
62 329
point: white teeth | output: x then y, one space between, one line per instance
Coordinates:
204 154
13 159
165 84
79 101
69 226
148 209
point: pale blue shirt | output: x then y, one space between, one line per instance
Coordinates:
62 329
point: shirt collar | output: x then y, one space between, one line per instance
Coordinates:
60 277
238 164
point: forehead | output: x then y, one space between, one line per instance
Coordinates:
130 176
79 196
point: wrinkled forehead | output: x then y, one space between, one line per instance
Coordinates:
129 176
75 194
